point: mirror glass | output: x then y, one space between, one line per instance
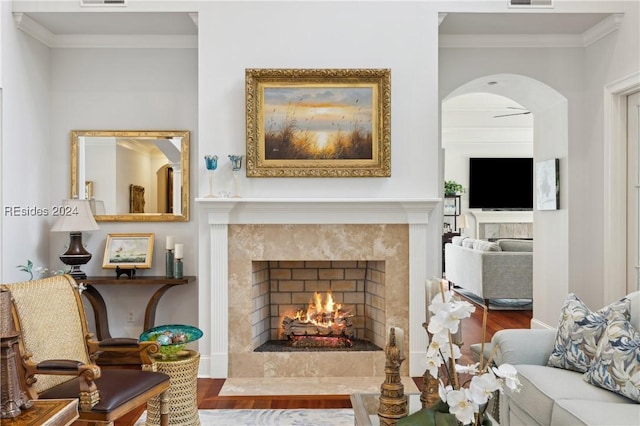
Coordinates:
135 176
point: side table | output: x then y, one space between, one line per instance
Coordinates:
183 390
46 412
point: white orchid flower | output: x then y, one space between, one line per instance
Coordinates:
467 369
445 351
448 314
433 364
510 375
437 342
462 406
482 387
444 390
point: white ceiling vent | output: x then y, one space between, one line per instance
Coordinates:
531 3
103 2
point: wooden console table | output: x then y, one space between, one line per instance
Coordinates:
100 307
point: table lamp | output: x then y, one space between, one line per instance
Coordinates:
76 217
462 223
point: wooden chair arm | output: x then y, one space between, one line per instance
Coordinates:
125 346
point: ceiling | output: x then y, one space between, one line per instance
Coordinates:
116 23
171 23
519 23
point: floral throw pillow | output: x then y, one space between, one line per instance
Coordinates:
579 331
615 366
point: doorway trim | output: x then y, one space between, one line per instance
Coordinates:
615 184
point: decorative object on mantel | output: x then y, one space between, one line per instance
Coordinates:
178 268
211 162
236 165
393 401
296 128
128 251
75 216
172 338
169 257
14 399
455 402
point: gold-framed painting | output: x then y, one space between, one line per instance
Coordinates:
318 122
128 251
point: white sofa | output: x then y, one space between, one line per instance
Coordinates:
556 396
491 270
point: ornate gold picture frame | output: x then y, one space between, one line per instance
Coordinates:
318 122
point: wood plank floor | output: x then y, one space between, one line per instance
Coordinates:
209 389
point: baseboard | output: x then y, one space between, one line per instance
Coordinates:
537 324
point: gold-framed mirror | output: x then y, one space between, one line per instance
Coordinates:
132 176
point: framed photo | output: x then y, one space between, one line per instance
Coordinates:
318 122
128 251
548 184
136 199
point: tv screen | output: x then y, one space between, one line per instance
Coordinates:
501 183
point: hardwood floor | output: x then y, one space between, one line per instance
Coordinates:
209 389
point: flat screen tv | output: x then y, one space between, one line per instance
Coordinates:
501 183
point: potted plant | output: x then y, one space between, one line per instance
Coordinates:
451 187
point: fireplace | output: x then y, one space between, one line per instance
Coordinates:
318 305
241 237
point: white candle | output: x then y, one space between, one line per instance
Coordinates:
179 251
400 341
170 242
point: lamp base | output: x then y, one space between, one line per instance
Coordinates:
76 255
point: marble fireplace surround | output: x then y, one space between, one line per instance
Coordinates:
236 231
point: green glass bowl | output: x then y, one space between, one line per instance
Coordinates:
171 337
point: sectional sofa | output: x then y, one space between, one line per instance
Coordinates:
491 270
556 389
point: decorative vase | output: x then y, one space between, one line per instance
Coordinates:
211 162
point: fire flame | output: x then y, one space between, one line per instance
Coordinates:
320 312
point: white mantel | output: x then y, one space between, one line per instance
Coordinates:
217 213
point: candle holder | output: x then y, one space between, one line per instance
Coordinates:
236 165
178 269
211 162
169 259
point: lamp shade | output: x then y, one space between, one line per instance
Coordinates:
462 221
75 216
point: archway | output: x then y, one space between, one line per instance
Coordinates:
550 140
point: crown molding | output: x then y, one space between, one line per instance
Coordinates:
29 26
590 36
602 29
133 41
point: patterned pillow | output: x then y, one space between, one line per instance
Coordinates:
615 366
579 331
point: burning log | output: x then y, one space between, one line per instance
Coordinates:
320 342
322 322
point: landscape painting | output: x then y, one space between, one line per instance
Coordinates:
128 251
317 123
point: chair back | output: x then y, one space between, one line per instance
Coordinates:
50 315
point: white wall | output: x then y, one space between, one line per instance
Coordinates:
26 148
128 89
400 36
606 61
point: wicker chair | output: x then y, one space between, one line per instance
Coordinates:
58 355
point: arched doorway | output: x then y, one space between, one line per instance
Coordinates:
550 140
